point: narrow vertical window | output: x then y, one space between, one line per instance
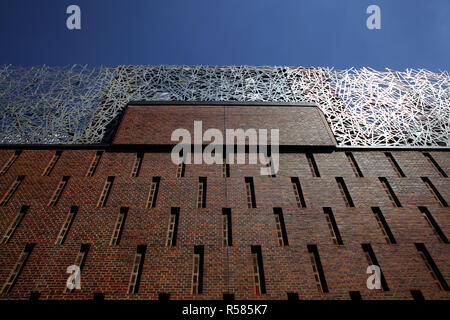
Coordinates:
332 225
226 230
312 165
118 227
250 189
354 165
173 226
225 169
372 260
7 196
105 192
434 192
137 164
180 170
299 197
201 195
79 261
395 164
15 272
435 165
432 267
153 193
94 164
10 162
280 227
258 270
133 285
387 187
388 236
319 275
13 226
48 169
344 191
197 270
433 225
58 191
66 226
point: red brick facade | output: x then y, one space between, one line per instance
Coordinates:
226 269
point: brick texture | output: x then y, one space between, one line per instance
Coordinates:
107 268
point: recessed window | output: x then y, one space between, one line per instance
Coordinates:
394 164
258 271
13 226
136 271
392 196
94 164
153 193
250 190
344 191
10 281
434 192
332 225
435 273
316 264
66 226
137 164
10 162
312 165
58 191
118 226
433 224
280 227
7 196
197 270
226 227
201 195
105 192
172 228
435 165
298 193
384 227
354 165
48 169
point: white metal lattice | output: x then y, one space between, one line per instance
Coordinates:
364 107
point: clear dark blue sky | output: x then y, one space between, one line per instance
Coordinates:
333 33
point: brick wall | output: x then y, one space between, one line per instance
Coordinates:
107 268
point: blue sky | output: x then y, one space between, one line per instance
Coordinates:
332 33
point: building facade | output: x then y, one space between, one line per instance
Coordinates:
142 227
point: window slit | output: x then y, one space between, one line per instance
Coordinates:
432 267
319 275
10 162
13 226
58 191
332 225
388 236
434 192
153 193
387 187
66 226
299 197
